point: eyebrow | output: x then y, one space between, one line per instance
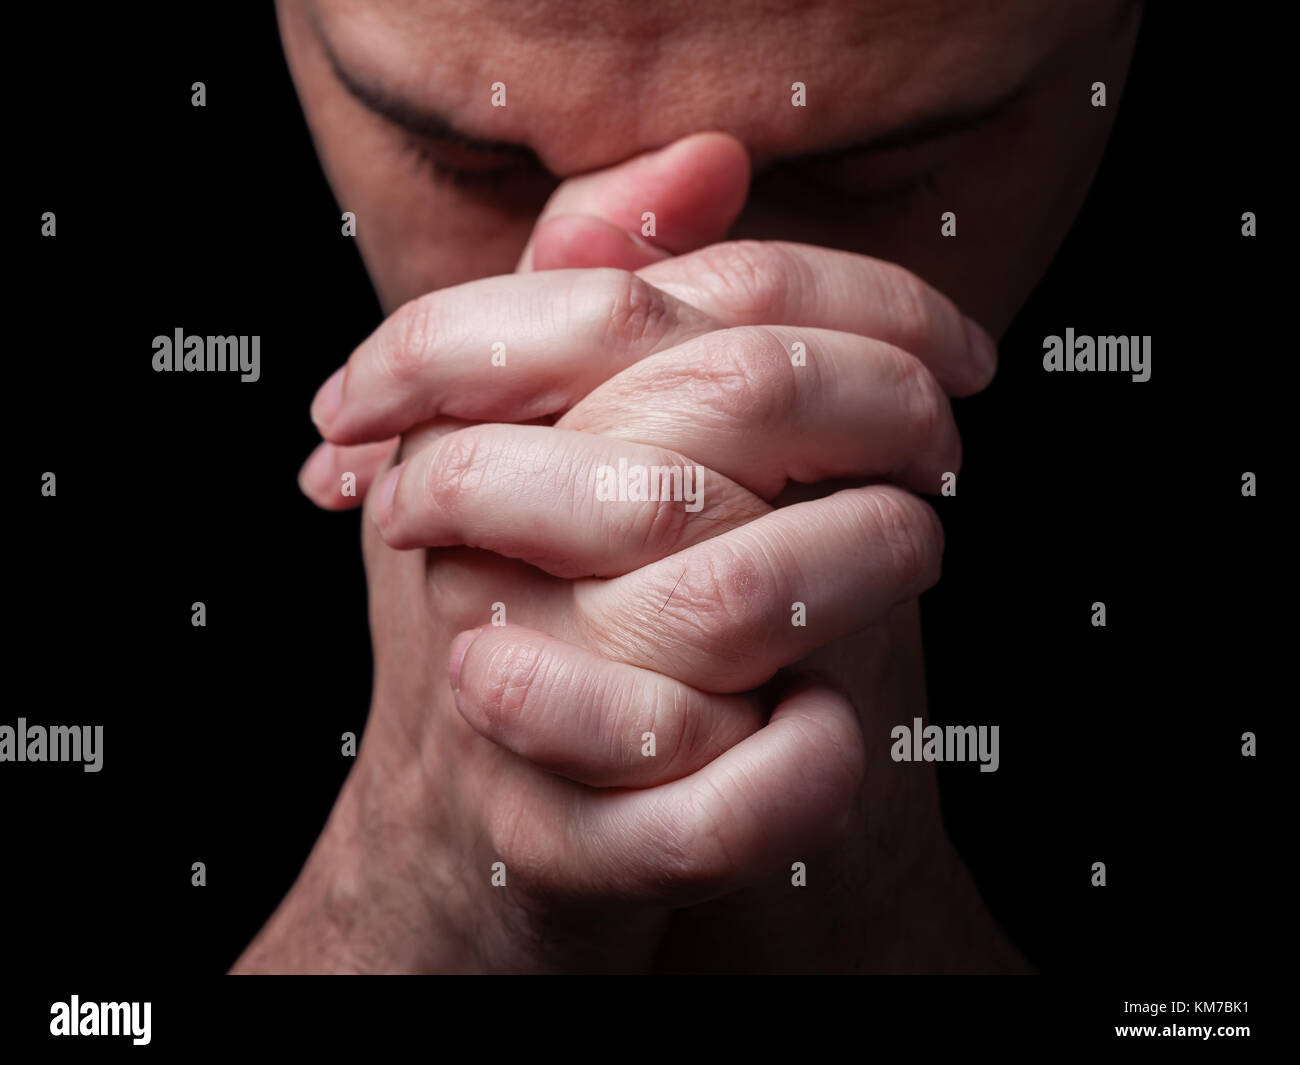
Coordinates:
429 123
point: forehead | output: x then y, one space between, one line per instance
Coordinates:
593 83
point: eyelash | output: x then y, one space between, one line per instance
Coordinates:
893 195
898 176
423 153
925 183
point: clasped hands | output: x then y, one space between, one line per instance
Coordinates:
682 703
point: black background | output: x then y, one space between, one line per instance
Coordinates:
1119 745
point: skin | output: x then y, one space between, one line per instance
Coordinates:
523 755
578 92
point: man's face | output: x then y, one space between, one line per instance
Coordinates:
913 108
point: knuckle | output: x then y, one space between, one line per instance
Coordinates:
694 859
750 278
617 715
710 612
846 767
746 375
841 753
910 305
453 470
925 402
656 527
504 682
723 596
405 344
672 723
911 533
636 312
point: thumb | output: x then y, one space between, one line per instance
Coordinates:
695 188
654 206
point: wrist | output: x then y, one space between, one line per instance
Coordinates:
943 923
366 901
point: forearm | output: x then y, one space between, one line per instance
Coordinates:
357 907
401 882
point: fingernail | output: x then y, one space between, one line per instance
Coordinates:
458 648
384 494
981 346
325 407
315 471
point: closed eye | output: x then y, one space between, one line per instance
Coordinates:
872 176
464 166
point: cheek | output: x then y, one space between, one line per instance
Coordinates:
1009 221
418 233
1015 187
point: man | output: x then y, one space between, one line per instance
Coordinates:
613 729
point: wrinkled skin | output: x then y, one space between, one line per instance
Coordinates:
397 880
